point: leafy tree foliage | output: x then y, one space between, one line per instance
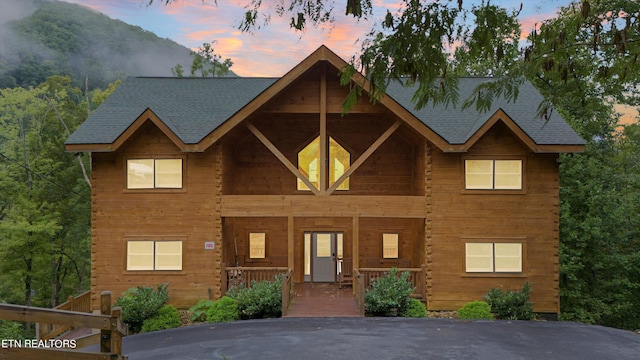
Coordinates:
205 61
44 195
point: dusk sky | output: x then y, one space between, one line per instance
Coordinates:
275 49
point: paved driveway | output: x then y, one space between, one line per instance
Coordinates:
384 338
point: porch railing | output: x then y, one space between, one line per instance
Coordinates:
245 275
80 303
365 276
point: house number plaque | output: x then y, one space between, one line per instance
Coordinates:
209 245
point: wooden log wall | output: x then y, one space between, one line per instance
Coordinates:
530 216
190 214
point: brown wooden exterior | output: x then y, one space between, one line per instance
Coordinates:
406 180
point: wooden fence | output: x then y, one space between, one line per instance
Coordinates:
365 276
109 322
80 303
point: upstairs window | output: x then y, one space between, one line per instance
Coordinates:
493 174
309 164
154 174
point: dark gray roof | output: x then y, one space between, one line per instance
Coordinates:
190 107
194 107
456 126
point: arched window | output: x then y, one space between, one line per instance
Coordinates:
309 160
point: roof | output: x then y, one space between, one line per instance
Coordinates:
190 109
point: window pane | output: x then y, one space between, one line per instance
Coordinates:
140 174
307 254
340 245
168 255
339 162
140 255
257 245
308 159
508 257
390 246
169 173
479 257
478 174
323 245
508 174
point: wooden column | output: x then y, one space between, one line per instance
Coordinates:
355 243
324 148
290 244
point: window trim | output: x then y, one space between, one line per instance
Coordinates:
494 240
523 175
127 158
154 240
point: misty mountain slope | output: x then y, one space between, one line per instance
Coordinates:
40 38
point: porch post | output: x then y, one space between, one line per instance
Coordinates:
290 243
355 246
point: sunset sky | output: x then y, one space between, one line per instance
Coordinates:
274 49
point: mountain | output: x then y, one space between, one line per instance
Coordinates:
40 38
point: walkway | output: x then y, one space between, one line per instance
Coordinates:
322 300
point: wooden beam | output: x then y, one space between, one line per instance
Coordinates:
356 164
53 316
324 177
355 243
408 207
283 159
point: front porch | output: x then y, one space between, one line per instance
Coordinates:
325 299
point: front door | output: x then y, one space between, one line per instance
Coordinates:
323 257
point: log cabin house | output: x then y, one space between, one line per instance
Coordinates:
192 175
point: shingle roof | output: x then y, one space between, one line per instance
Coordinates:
194 107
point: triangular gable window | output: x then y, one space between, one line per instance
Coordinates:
309 159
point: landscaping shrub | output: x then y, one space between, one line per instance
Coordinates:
141 303
262 300
223 310
389 294
415 309
475 310
199 310
13 330
166 318
510 305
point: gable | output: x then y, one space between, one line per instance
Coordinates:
196 112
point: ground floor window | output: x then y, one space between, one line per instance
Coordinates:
257 245
154 255
493 257
390 246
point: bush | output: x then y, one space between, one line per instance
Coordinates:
389 295
415 309
199 310
141 303
262 300
13 330
475 310
166 318
223 310
510 305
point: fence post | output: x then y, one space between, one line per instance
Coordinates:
116 337
105 309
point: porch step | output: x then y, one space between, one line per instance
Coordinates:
322 300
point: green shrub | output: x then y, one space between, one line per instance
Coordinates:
166 318
223 310
141 303
199 310
262 300
415 309
510 305
389 295
475 310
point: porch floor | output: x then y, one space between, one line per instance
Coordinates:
322 300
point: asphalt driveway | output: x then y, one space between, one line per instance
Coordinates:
384 338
